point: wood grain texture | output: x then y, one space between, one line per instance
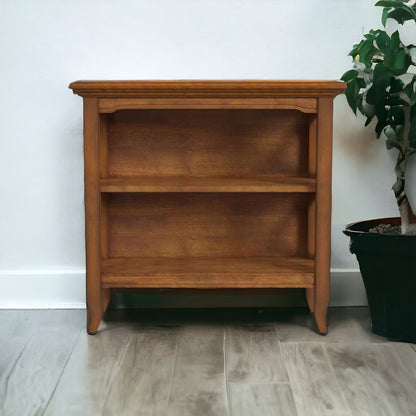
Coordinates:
220 88
103 162
207 143
104 240
261 399
110 105
315 388
186 184
90 372
376 379
142 383
323 212
252 355
92 212
198 383
207 169
312 163
207 225
207 273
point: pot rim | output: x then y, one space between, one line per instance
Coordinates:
366 224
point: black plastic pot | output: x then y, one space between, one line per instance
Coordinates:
388 267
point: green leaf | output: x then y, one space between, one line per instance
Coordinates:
390 3
394 42
352 92
410 91
402 62
395 100
401 15
349 75
366 52
382 40
397 4
369 120
355 49
384 16
376 95
396 57
396 85
392 140
399 62
373 87
381 124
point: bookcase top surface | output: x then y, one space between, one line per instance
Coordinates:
208 88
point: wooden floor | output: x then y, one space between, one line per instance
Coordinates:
202 362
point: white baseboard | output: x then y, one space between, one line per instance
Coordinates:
65 289
42 289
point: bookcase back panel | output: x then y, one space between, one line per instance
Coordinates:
207 225
174 142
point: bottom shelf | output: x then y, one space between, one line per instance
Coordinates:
207 273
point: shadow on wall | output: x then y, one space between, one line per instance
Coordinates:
364 151
352 138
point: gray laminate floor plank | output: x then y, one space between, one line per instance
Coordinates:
176 363
346 325
315 388
252 354
31 382
198 383
88 376
16 328
142 383
261 399
376 379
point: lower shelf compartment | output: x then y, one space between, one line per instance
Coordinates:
207 273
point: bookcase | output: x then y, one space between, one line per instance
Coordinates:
207 186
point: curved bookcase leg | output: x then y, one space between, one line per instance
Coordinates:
93 320
320 318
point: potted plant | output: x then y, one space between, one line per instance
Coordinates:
382 86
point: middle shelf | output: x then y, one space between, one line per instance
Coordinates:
281 183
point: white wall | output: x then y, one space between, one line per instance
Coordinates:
44 45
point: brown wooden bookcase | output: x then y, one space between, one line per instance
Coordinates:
207 185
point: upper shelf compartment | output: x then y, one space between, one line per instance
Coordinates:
246 143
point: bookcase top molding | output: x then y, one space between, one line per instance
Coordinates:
208 88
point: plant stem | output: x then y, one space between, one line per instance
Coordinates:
407 216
